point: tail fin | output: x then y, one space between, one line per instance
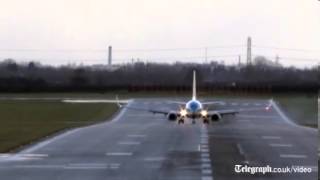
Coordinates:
194 88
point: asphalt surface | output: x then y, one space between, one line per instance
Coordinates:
137 145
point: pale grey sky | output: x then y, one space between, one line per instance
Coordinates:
159 24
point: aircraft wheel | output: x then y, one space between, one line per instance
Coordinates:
181 121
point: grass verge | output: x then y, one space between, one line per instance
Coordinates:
25 121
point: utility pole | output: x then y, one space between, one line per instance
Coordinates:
249 57
110 56
239 60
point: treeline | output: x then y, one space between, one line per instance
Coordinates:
262 75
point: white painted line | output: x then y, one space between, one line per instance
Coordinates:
257 116
205 155
42 166
206 178
234 104
280 145
114 166
204 146
129 143
271 137
298 156
206 171
204 136
5 155
257 104
245 104
33 155
204 150
119 154
205 165
205 160
85 168
87 164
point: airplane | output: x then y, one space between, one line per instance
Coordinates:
192 109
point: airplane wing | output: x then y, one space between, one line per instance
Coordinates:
154 111
212 102
177 102
236 111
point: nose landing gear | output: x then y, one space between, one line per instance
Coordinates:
181 121
205 121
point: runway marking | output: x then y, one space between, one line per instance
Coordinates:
42 166
114 166
271 137
257 116
205 155
245 104
204 146
297 156
257 104
206 165
119 154
206 171
85 166
129 143
34 155
5 155
137 135
280 145
205 160
234 104
206 178
204 150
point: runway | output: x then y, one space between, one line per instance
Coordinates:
138 145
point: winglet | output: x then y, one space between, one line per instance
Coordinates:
269 105
118 103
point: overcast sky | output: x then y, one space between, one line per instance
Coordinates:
159 24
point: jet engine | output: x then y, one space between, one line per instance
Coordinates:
215 117
172 116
